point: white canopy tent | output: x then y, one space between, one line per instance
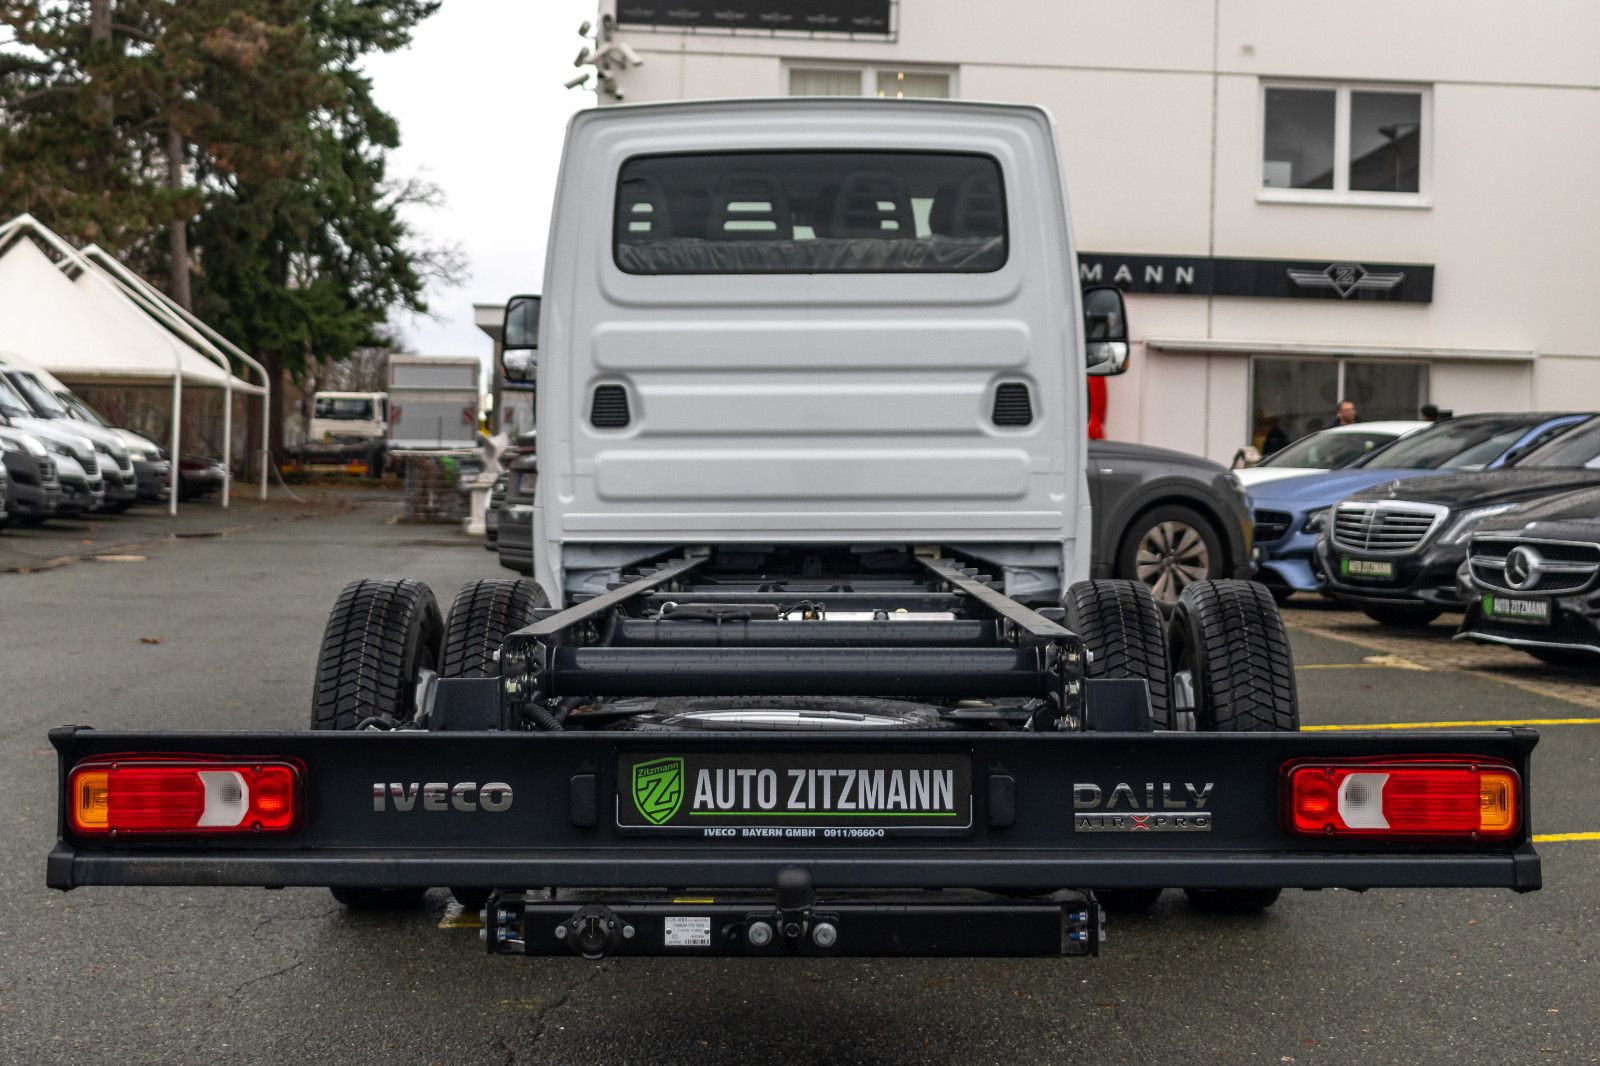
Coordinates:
104 324
203 339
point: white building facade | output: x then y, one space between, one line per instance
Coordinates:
1396 204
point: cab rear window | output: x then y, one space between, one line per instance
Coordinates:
810 213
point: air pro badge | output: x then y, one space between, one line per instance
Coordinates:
1159 807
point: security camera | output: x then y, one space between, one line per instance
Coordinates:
608 25
583 30
578 82
584 55
619 55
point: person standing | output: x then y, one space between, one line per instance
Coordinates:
1346 415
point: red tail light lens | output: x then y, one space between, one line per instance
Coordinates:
1439 798
177 794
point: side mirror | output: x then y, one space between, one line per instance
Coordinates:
517 365
519 338
1105 331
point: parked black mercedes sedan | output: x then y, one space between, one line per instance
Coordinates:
1393 550
1532 579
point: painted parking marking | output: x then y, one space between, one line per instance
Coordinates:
1562 838
458 917
1581 696
1482 722
1370 662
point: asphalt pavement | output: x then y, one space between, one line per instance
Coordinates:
221 632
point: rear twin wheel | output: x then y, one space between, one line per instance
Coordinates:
482 615
1231 673
384 640
1222 664
1120 623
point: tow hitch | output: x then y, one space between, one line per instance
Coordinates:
792 922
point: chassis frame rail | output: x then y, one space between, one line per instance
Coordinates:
627 642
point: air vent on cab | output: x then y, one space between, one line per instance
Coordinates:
609 407
1012 405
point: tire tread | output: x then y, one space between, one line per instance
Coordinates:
361 668
483 613
1248 663
1120 622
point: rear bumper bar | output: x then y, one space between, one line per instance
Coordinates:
70 867
1035 812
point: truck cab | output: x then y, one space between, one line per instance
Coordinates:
809 321
348 417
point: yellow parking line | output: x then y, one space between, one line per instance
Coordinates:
1492 722
1558 838
458 917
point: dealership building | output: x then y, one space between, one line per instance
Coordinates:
1396 204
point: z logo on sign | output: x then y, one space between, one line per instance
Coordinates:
1345 278
658 789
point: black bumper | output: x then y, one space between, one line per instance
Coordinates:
32 491
562 825
153 479
79 496
1426 577
1574 626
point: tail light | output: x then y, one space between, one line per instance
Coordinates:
167 794
1432 797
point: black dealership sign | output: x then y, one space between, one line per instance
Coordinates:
867 17
1338 279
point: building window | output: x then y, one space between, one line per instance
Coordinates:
1291 396
1343 143
888 82
824 82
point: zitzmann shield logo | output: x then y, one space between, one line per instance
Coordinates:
658 789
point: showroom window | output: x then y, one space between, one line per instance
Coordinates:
1344 144
1291 396
889 82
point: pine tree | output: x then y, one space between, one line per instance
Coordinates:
231 147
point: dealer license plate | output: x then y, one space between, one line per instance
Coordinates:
1517 609
775 796
1372 569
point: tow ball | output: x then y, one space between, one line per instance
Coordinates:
794 923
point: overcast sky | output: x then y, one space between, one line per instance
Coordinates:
482 110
